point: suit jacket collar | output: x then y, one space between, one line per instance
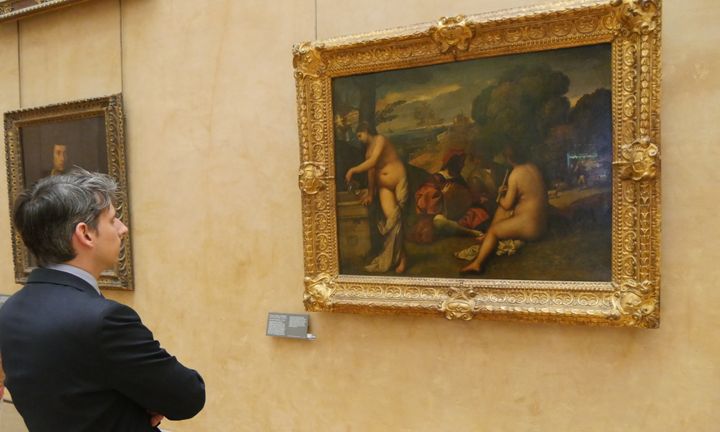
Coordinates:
56 277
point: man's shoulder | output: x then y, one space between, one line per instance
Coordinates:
61 301
99 308
112 308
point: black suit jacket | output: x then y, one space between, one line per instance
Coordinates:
75 361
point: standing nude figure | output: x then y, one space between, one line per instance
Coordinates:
522 208
387 178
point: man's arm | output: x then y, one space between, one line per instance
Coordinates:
140 369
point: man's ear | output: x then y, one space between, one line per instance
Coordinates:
83 234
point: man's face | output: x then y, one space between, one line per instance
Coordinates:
110 231
362 137
59 157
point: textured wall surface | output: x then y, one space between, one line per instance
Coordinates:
213 155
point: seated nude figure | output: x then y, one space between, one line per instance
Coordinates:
386 178
521 212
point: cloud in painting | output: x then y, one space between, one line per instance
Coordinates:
417 94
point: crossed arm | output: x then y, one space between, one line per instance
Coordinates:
144 372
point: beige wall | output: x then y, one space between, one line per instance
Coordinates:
212 153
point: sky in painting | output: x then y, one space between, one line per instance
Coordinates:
452 87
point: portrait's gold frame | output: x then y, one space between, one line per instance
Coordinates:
631 298
9 9
111 108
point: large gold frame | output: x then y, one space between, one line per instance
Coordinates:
16 9
632 297
110 107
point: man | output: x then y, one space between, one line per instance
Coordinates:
387 178
75 361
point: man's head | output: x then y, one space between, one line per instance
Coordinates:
364 131
71 215
59 153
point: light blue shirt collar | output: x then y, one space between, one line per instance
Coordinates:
76 271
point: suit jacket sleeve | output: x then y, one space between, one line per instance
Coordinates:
138 367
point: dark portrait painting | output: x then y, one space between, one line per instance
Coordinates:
55 147
55 139
495 168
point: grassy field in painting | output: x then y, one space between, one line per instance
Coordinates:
569 255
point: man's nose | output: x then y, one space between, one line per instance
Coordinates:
123 229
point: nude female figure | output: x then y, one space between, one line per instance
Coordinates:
521 212
386 176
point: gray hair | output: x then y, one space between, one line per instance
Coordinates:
47 213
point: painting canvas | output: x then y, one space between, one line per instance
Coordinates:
452 137
54 148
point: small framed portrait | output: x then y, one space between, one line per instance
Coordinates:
51 140
501 166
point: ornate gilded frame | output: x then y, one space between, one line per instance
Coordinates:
631 298
16 9
111 109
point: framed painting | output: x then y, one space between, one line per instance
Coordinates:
16 9
501 166
50 140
